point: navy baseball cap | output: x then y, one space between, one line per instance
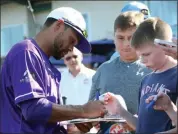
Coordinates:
137 6
74 19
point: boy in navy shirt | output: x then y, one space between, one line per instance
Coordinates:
164 75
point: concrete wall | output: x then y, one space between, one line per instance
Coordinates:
14 14
40 18
101 15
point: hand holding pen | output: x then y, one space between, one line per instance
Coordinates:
152 99
163 102
97 94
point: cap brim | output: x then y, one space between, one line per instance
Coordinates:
83 45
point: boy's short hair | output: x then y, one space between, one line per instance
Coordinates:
128 20
150 29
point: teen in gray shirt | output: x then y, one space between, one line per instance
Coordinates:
124 74
120 77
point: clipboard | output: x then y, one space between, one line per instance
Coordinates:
106 119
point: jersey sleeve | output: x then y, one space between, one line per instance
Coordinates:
27 76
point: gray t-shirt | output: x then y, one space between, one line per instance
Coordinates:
122 78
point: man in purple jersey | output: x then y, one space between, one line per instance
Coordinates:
29 82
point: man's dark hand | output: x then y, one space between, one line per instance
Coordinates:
84 127
94 109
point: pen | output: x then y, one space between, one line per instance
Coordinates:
97 95
152 103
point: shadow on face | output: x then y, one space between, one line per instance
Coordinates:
64 41
151 55
122 40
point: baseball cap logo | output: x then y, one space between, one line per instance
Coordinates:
85 33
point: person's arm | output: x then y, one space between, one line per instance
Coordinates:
91 109
172 131
95 85
163 102
32 111
116 108
28 81
130 119
172 113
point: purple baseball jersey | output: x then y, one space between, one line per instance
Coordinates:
26 74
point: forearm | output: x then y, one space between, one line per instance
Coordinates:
42 110
172 113
130 119
66 112
172 131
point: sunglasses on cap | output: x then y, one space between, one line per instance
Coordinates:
84 32
70 57
145 12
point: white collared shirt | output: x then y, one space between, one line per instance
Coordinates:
76 89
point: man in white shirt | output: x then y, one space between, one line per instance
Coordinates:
76 80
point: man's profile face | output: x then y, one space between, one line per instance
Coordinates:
64 41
